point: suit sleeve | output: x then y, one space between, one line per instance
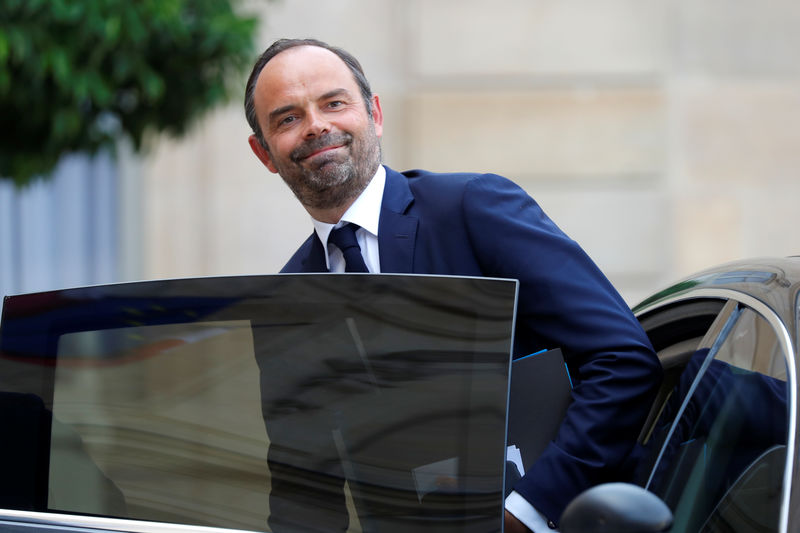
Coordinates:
565 301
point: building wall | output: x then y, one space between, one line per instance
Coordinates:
660 134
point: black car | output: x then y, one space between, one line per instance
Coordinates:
149 406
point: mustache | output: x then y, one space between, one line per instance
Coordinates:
318 143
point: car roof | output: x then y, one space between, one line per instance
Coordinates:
772 282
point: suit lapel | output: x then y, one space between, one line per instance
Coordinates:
397 231
315 260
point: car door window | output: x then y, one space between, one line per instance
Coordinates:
214 402
723 431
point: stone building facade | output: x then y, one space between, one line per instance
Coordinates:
660 134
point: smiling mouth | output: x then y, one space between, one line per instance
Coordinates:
322 151
320 145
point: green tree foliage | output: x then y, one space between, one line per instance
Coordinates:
75 75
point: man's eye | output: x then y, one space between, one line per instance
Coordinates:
286 120
335 104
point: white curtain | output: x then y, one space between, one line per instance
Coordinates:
62 231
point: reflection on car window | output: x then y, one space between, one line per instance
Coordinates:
261 402
723 431
754 346
151 406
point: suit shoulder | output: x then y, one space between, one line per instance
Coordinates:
452 179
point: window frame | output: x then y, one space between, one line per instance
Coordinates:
784 338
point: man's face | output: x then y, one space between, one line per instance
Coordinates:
319 136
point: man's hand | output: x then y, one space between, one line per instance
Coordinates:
513 525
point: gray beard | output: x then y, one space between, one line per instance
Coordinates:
333 183
331 186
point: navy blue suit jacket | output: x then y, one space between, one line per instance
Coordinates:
485 225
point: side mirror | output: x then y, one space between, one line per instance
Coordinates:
616 508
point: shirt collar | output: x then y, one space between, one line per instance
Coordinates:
365 210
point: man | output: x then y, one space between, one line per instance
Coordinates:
317 124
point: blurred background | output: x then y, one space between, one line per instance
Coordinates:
660 134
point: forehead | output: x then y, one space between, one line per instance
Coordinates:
303 71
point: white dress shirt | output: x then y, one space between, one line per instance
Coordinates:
366 213
526 513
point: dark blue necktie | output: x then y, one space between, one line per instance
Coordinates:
345 239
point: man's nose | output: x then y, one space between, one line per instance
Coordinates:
317 124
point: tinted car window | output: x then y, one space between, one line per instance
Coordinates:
163 400
723 432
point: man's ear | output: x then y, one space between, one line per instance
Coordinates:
377 115
261 153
